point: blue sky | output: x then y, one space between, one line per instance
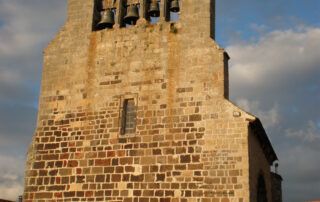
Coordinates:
246 18
274 74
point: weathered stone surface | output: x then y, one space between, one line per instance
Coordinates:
182 141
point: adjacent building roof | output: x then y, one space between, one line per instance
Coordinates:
262 136
2 200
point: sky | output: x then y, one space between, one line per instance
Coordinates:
274 73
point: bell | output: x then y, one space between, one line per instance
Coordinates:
107 19
132 15
154 10
174 6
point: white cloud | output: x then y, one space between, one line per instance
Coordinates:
276 58
310 133
9 76
11 178
300 170
277 79
269 117
11 192
259 28
27 24
25 29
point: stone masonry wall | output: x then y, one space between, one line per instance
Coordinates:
190 144
259 165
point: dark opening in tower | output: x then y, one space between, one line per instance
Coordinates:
153 11
128 119
104 14
131 14
172 10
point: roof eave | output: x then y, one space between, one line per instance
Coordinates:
262 136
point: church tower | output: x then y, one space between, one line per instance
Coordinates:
134 108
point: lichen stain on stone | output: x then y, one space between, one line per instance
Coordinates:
173 70
91 64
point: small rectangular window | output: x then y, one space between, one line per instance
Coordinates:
129 114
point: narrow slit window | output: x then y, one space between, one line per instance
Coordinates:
129 114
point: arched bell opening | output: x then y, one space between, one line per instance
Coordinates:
261 190
97 8
104 14
172 10
153 11
107 19
126 13
131 13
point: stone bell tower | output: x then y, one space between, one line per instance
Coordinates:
134 107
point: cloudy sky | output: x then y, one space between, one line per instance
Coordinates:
275 69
